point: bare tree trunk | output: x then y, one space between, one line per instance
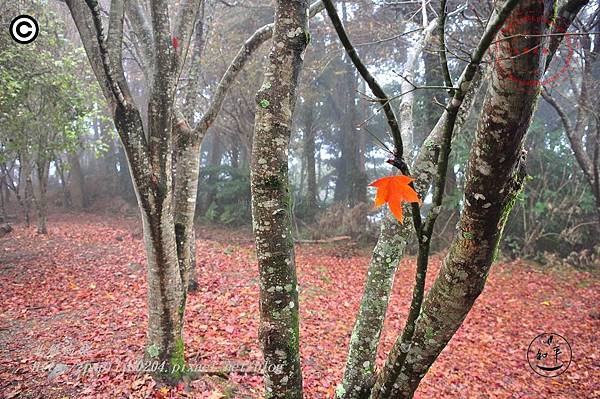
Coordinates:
27 191
151 146
15 187
186 188
279 329
166 293
42 170
347 163
308 152
6 189
214 160
3 196
60 170
78 194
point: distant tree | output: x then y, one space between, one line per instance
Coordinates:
584 134
43 112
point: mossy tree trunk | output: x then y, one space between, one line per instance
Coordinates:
163 145
495 177
271 214
363 346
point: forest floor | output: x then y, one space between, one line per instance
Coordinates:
73 317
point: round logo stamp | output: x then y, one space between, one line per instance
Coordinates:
24 29
549 355
515 45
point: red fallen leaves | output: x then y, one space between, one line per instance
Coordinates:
393 190
39 310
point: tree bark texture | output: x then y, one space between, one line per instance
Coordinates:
271 212
495 176
42 169
77 192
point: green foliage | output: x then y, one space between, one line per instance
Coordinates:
44 106
226 194
555 213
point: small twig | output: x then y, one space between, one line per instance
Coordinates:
369 79
442 44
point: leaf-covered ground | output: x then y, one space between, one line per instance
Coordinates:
73 319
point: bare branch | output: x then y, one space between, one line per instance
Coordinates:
395 362
94 7
142 32
83 21
185 21
370 80
237 64
564 18
114 44
576 144
442 40
406 104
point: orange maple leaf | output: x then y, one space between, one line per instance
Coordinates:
393 190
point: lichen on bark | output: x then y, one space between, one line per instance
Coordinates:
271 213
494 178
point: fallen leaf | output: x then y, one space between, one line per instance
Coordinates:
216 395
13 393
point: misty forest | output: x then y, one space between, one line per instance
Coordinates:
351 199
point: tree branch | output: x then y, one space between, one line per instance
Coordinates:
114 43
142 32
116 90
83 21
395 362
564 18
442 39
237 64
373 85
185 21
581 156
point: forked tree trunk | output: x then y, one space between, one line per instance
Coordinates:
359 375
168 226
166 291
495 177
271 213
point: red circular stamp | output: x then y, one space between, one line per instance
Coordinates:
512 48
